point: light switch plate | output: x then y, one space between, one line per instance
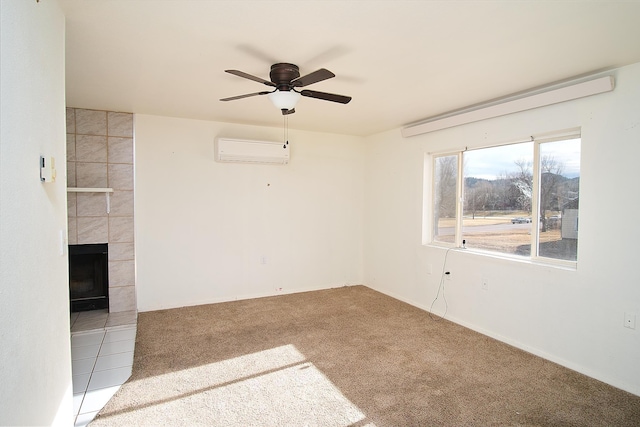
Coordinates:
47 169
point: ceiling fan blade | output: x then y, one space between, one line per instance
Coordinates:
326 96
287 112
250 77
244 96
315 77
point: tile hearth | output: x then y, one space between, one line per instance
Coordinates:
102 348
85 321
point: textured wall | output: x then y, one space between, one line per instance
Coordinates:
209 231
35 349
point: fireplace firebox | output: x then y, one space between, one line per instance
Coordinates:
88 277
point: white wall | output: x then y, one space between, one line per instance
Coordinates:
571 317
35 355
203 227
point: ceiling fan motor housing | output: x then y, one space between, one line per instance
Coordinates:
282 74
286 78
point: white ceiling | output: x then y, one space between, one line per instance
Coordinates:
401 61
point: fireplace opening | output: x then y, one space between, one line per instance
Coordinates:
88 277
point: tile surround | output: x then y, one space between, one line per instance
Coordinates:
120 150
121 251
100 155
71 147
121 203
120 124
121 273
91 204
120 176
92 230
71 121
121 229
73 231
91 175
90 122
91 148
72 200
123 297
71 174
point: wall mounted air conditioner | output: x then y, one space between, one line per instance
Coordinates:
248 151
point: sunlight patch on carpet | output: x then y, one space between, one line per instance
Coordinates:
272 387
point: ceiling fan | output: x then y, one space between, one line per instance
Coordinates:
285 78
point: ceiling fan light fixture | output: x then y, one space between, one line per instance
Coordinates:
284 100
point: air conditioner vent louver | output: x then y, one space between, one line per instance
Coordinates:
249 151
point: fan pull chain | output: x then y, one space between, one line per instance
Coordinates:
286 131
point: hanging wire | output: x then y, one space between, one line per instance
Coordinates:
441 288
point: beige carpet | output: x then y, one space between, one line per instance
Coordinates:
345 357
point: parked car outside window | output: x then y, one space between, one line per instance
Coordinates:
520 220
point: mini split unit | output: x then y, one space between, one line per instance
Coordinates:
248 151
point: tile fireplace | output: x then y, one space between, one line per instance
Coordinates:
100 195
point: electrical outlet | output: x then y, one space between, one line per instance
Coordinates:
630 320
485 284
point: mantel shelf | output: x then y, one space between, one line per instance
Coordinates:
89 190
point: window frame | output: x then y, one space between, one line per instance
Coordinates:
535 256
458 195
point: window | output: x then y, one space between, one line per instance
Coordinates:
444 201
517 199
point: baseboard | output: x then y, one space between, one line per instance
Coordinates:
239 297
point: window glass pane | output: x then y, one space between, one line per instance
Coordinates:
559 199
497 198
445 179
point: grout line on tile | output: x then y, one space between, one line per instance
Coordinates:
94 365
